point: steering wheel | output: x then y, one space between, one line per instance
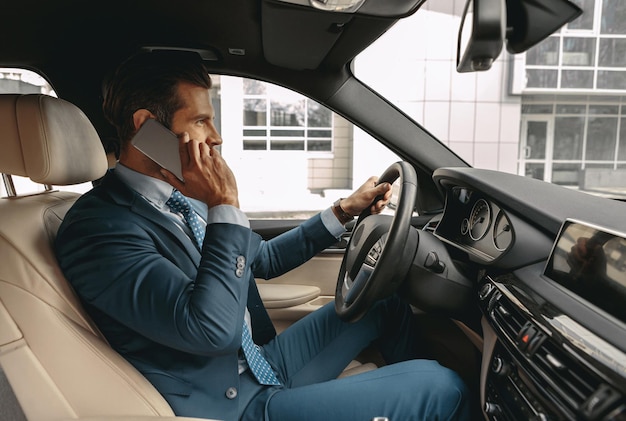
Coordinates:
380 251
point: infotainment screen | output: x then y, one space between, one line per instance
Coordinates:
591 262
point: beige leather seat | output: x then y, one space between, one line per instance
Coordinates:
56 360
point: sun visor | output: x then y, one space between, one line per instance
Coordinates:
304 36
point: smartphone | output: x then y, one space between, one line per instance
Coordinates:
158 143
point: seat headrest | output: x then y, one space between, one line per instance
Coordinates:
48 140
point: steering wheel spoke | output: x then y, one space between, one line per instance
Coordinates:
380 250
352 288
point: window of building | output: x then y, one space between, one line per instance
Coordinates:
569 139
541 78
587 54
601 138
585 21
546 53
280 120
613 17
578 51
608 79
537 108
612 52
577 79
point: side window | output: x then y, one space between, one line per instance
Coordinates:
292 156
277 119
21 81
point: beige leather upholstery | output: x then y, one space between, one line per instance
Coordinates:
48 140
285 296
57 362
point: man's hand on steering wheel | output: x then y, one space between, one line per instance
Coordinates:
381 247
365 196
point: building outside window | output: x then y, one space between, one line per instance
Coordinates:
574 103
304 149
563 139
587 54
277 119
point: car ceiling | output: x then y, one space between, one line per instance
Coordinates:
74 43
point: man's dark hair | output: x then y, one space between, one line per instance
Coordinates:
150 80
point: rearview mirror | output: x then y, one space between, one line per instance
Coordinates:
481 35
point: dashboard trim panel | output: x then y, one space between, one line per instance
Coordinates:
553 373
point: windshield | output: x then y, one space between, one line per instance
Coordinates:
553 113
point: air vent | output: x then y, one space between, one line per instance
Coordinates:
432 225
507 317
564 379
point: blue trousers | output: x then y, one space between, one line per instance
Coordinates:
309 356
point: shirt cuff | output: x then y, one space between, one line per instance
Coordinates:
227 214
331 223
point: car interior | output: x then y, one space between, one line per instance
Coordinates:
490 261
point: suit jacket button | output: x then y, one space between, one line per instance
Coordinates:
231 392
239 273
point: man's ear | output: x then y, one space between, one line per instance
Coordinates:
140 116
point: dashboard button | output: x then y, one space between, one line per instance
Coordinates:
485 290
433 263
492 409
500 367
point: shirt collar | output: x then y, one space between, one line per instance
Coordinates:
152 189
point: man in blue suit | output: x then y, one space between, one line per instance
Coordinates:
173 289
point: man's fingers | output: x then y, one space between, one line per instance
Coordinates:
183 149
384 188
199 153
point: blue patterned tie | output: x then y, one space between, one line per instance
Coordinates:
257 363
179 203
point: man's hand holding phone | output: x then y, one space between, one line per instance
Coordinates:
190 165
207 176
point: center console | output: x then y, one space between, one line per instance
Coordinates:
558 332
542 364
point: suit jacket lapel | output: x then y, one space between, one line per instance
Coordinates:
125 196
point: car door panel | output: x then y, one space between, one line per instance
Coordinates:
306 288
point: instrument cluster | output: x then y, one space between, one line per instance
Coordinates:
476 224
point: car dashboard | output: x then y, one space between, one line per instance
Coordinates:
553 349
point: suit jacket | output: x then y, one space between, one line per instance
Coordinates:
175 313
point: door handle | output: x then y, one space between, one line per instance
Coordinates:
527 151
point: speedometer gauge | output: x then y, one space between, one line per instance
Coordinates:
479 220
